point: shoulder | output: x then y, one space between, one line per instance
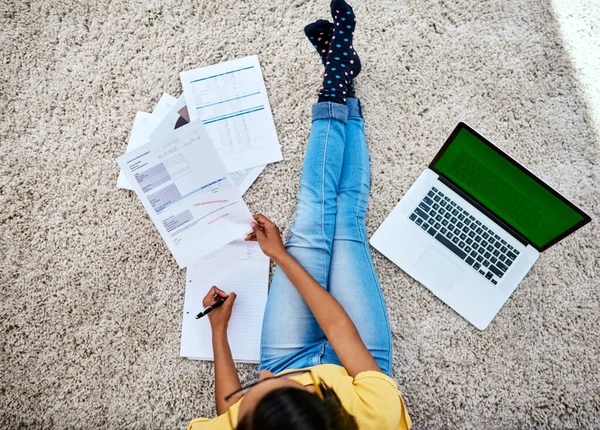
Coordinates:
371 397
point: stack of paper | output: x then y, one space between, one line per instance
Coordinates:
190 161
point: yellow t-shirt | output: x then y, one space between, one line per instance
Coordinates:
371 397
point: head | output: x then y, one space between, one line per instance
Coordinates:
284 403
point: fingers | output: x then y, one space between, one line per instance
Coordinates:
230 300
258 233
263 220
250 237
213 295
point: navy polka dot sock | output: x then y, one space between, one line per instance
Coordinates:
342 64
319 34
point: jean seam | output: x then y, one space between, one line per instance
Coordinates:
376 281
325 148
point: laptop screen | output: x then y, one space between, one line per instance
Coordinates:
506 189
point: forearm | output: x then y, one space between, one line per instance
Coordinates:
226 376
331 316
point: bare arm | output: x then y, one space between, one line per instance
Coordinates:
331 316
226 377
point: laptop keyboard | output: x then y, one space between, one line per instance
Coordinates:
455 228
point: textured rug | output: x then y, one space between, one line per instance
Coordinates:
91 300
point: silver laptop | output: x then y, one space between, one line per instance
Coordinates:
473 224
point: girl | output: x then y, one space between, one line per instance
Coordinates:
326 343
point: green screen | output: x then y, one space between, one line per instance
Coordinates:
505 190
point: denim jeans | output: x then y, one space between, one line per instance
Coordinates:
328 238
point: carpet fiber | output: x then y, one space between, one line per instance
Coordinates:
91 300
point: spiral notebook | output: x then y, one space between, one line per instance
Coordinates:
239 267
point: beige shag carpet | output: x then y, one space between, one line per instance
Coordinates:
91 300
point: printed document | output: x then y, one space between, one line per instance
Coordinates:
239 267
188 193
143 125
231 100
177 117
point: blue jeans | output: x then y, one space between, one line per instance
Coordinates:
329 239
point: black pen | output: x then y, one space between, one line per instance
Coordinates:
210 308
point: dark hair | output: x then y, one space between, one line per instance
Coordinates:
296 409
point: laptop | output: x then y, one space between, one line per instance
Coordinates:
473 224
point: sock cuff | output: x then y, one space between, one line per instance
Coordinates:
354 108
330 110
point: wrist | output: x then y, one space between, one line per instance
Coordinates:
219 332
280 256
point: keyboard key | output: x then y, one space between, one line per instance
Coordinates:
492 240
476 266
478 239
460 225
425 226
454 212
431 231
484 227
461 217
501 266
504 249
434 189
508 262
509 247
468 249
460 253
445 222
502 257
489 275
480 258
497 245
463 236
485 235
511 255
444 230
466 229
470 261
503 242
422 214
482 272
449 235
431 194
412 217
419 221
487 255
496 271
477 222
490 248
494 282
496 253
479 230
453 203
447 215
424 207
446 199
438 217
497 237
462 245
442 211
437 225
493 260
485 263
467 222
516 252
451 227
436 198
455 240
471 234
469 241
471 218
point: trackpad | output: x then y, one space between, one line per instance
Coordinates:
436 271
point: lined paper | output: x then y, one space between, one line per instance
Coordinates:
239 267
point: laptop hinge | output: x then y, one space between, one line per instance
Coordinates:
483 209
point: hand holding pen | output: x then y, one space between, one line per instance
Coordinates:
218 306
